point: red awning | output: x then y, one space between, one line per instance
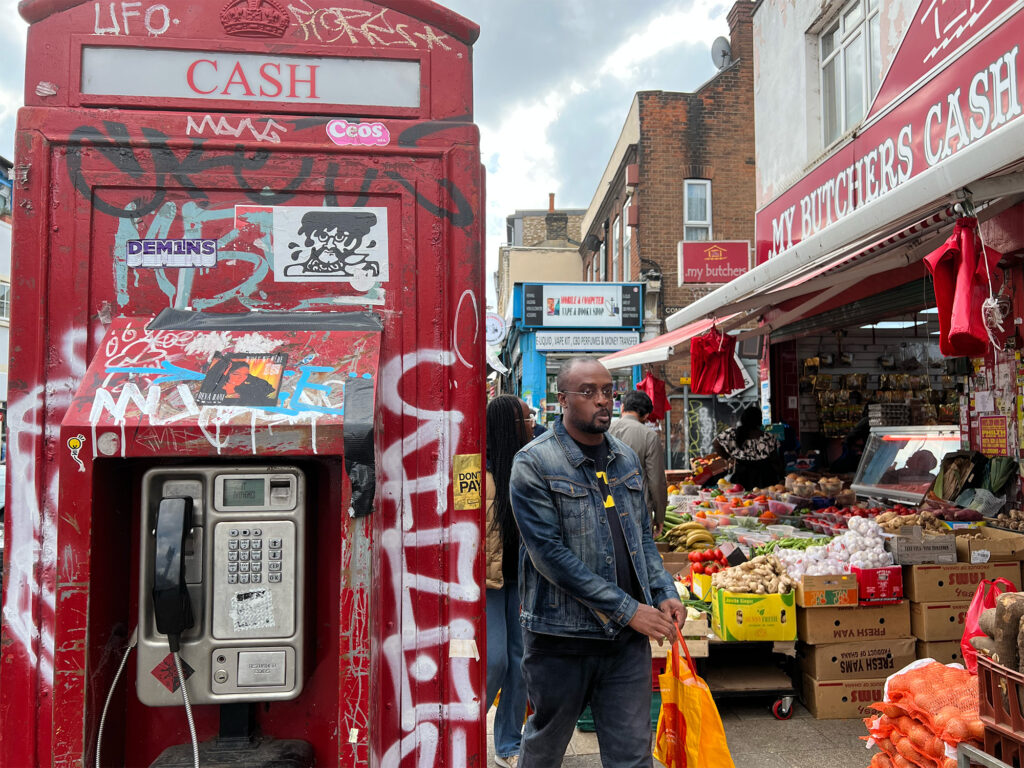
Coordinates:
659 349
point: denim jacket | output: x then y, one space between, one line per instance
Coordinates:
567 559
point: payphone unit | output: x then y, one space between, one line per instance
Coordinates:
222 572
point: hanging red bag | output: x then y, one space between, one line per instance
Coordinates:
984 598
690 732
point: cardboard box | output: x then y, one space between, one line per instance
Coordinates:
738 616
879 586
945 653
937 622
857 661
826 591
989 545
817 626
695 633
701 586
951 583
912 547
675 559
842 699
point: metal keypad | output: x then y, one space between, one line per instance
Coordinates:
245 556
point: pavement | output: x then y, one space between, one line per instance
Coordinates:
756 740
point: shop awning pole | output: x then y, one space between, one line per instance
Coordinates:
935 185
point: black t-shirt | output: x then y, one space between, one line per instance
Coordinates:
625 575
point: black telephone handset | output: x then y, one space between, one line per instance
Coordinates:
172 607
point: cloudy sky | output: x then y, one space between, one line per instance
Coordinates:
553 78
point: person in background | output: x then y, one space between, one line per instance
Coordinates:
537 429
509 423
593 586
853 447
758 460
631 429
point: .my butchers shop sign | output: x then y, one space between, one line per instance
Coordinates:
976 90
124 71
712 261
582 305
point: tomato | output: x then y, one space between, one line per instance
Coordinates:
697 568
706 556
693 557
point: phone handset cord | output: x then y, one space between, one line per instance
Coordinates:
132 641
188 711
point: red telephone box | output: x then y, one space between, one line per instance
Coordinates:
248 286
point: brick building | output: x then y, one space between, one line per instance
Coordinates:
682 169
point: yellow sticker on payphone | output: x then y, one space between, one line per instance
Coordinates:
467 481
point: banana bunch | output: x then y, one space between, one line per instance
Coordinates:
690 537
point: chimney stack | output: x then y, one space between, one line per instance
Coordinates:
551 202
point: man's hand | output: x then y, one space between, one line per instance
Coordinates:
674 610
658 527
653 622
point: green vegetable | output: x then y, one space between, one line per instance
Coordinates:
790 543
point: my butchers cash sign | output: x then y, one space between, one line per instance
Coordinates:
957 78
585 341
582 305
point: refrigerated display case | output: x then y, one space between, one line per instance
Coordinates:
901 463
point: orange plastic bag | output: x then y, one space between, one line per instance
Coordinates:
690 732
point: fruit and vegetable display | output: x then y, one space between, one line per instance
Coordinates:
1013 520
896 519
689 537
928 709
789 542
862 546
709 562
764 575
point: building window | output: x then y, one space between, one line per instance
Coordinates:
851 67
602 263
697 209
5 301
616 227
627 244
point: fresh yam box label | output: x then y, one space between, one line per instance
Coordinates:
857 661
863 622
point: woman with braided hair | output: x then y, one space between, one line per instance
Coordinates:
509 427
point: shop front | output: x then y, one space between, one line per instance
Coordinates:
857 325
556 321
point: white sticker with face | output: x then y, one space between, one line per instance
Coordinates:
339 245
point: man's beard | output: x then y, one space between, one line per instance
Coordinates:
591 427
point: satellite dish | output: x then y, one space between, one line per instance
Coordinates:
721 53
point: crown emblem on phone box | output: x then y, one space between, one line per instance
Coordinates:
254 18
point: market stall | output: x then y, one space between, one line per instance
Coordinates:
841 587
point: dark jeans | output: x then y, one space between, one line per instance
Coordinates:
616 686
504 668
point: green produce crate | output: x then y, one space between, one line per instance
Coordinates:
586 721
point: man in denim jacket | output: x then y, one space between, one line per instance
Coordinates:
589 578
